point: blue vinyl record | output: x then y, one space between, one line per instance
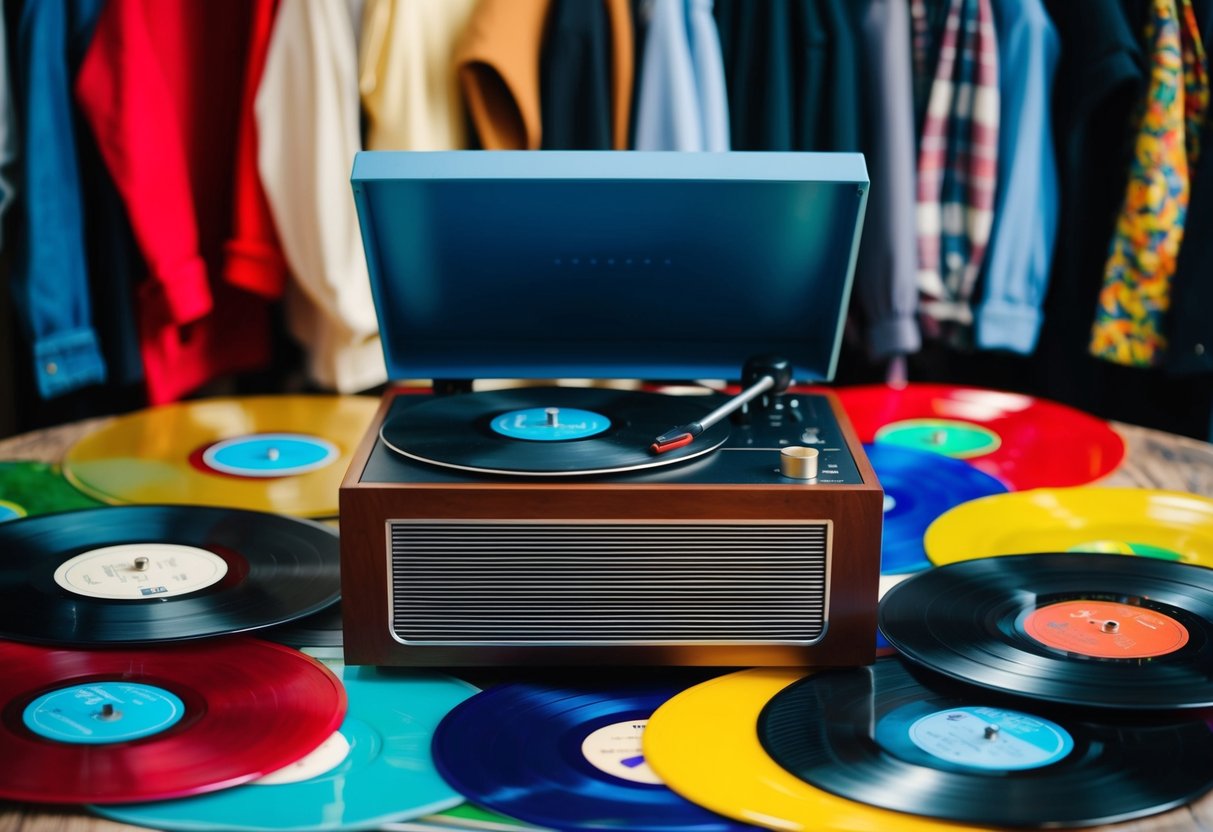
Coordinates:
919 486
568 758
375 769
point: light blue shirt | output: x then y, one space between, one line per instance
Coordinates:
1026 207
681 101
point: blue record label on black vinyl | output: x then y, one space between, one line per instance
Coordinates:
973 737
550 424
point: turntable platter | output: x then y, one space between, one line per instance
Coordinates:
548 431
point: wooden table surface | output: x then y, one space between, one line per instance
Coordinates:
1153 460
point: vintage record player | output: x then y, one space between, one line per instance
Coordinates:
558 525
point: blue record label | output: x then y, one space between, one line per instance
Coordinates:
975 737
103 712
550 424
270 455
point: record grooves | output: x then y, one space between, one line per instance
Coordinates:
882 737
131 574
616 428
567 758
1101 631
271 703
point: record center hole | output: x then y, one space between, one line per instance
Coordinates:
991 732
272 454
1108 626
109 713
141 564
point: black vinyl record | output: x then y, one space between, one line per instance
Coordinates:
548 431
918 743
1101 631
136 574
319 631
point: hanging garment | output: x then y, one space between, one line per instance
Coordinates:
307 112
409 87
49 273
585 75
774 55
498 65
957 167
171 153
1189 325
8 128
1135 297
886 271
681 101
1016 270
254 255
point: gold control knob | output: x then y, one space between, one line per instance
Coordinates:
798 462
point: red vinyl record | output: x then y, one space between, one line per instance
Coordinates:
123 725
1024 441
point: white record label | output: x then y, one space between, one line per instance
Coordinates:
616 749
137 571
330 754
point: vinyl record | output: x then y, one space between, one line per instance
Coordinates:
1101 631
1168 525
704 743
918 487
376 769
284 454
157 722
548 431
28 488
1024 442
319 631
568 758
884 737
134 574
466 817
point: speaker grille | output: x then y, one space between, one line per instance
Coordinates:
478 582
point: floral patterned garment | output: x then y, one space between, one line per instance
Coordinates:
1133 302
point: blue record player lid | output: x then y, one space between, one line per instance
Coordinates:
606 264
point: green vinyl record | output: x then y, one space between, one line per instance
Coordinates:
29 488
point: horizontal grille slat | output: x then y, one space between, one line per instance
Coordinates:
627 583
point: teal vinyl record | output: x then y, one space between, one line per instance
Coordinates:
375 769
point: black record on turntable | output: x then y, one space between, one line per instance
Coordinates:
140 574
910 741
1101 631
548 431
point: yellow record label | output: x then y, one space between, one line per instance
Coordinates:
704 744
1168 525
283 454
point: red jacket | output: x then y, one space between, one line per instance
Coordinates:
164 86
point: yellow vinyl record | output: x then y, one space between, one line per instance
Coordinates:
703 744
1168 525
282 454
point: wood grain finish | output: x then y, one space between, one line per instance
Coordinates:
854 510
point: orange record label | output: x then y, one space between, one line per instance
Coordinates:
1105 630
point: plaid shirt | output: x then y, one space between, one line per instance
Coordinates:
957 165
